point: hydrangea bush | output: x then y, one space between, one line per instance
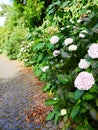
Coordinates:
68 61
63 52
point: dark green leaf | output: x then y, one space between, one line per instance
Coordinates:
50 116
46 87
57 117
38 46
50 102
88 96
75 111
78 94
96 100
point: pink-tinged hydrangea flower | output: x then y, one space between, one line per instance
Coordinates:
84 81
56 53
93 51
72 48
54 39
83 64
45 68
68 41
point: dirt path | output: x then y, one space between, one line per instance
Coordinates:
20 93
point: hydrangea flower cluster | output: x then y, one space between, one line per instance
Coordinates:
56 53
84 81
54 39
68 41
83 64
93 51
72 48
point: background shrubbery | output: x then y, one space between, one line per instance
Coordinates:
54 59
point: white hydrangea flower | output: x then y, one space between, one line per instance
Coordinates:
25 60
54 39
93 51
63 112
56 53
68 41
54 99
45 68
68 26
72 48
84 31
84 81
88 11
79 21
30 44
83 64
22 49
81 35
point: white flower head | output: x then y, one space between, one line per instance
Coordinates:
68 41
79 21
54 39
81 35
84 81
84 31
88 11
72 48
83 64
63 112
45 68
56 53
68 26
93 51
22 49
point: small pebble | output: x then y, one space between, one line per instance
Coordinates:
61 124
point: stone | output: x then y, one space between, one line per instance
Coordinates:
61 124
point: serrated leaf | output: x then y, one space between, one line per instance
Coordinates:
75 111
78 94
50 116
50 102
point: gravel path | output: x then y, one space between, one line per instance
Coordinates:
18 86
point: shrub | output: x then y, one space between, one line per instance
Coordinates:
58 62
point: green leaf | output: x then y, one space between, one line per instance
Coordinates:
50 116
94 89
91 15
50 102
40 57
38 46
96 100
46 87
78 94
75 111
88 96
64 4
57 117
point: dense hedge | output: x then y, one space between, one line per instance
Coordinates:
63 52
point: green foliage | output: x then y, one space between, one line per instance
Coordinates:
76 19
